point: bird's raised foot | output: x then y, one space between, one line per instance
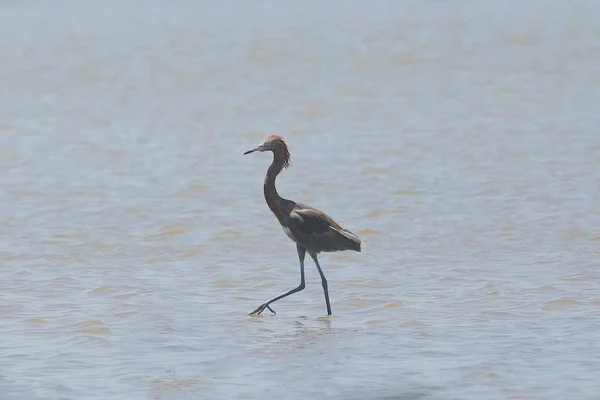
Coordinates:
261 308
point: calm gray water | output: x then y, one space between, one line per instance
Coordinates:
459 139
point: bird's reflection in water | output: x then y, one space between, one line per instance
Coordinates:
307 334
172 388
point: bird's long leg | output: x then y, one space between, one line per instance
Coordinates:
261 308
323 282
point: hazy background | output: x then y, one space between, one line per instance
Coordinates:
459 139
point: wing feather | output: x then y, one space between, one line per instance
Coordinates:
314 229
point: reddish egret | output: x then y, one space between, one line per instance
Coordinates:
311 229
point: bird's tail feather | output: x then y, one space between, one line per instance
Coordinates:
349 240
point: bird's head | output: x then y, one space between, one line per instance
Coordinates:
277 145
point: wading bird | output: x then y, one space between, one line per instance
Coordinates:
311 229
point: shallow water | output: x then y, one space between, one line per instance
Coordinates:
458 139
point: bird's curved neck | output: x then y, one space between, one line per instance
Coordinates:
274 201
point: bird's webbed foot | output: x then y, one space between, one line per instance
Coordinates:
261 308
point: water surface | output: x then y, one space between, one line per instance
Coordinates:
459 139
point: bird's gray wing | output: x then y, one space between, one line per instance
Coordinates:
310 221
314 229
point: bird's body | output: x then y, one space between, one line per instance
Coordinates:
316 231
312 230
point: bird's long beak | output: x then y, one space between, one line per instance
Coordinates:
255 148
